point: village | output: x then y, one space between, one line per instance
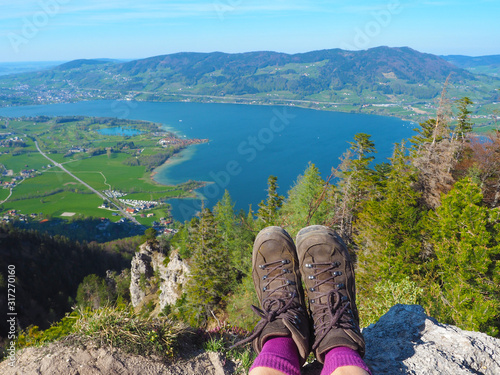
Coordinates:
174 141
135 207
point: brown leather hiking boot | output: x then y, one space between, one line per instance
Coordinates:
277 282
329 279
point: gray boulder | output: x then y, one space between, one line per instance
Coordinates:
407 341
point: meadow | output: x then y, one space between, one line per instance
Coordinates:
102 161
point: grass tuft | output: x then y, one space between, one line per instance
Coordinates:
131 332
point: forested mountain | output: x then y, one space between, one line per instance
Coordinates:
471 62
376 75
48 270
489 65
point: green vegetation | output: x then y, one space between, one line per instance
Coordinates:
423 228
116 164
388 81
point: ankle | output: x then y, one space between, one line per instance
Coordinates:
344 361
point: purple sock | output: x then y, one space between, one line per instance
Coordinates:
342 356
279 353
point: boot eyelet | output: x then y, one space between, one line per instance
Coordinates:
337 273
312 277
340 286
264 277
264 289
308 265
262 267
312 289
285 261
290 282
313 301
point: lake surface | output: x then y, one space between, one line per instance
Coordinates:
247 143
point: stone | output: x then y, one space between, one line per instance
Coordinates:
173 278
141 265
172 275
407 341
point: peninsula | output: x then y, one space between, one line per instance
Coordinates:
77 167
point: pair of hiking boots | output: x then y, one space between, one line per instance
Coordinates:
320 260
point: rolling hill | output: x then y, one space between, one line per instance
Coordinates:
346 79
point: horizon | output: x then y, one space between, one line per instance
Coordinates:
229 53
58 30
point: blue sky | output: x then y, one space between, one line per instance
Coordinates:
62 30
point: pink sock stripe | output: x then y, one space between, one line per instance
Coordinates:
342 356
279 353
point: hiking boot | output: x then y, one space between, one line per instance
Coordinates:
279 289
328 275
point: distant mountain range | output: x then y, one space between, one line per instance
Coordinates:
467 62
377 75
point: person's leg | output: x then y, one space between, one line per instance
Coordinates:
278 356
342 360
284 316
328 275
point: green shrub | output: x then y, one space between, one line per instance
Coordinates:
239 304
32 336
386 294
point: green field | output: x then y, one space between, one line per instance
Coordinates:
103 163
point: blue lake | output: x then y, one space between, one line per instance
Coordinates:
247 143
118 130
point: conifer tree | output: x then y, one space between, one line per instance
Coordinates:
212 276
465 236
464 125
236 238
306 203
388 228
268 209
356 182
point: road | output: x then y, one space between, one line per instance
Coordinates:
122 211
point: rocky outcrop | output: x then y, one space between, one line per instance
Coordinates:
407 341
151 271
140 271
173 276
403 341
59 359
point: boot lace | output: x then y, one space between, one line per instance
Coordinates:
336 312
278 303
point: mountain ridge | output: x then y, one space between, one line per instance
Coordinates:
350 80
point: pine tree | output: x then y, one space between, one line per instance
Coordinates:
464 125
268 209
356 181
306 203
388 229
236 238
466 240
212 276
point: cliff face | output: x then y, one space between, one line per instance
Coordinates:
151 272
404 341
